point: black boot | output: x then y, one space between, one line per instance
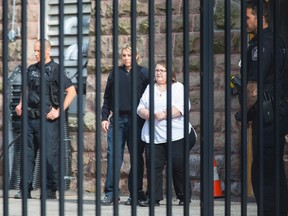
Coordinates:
145 203
51 194
141 196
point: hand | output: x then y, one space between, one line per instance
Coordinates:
53 114
251 94
160 115
105 125
18 110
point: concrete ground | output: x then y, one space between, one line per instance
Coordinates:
52 206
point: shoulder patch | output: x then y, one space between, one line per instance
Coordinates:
254 53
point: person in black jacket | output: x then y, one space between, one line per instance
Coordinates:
124 123
268 137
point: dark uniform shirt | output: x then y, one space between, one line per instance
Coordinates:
52 84
267 61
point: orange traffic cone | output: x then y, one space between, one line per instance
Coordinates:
217 183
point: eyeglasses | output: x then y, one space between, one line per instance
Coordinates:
160 70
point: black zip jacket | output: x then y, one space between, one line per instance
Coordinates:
125 90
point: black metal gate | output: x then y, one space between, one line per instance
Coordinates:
206 132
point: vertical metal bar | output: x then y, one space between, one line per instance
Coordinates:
116 149
5 109
62 146
284 17
43 152
259 103
207 104
151 102
98 147
278 71
24 186
243 97
135 75
169 105
227 108
186 152
80 107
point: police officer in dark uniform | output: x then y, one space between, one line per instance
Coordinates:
51 74
267 61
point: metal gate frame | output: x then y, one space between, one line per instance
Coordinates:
207 103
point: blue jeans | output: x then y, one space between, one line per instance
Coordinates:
123 132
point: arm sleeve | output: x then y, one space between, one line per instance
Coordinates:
144 100
67 82
178 97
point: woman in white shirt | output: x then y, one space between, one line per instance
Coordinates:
160 132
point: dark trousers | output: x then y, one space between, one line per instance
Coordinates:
178 172
269 169
52 151
139 148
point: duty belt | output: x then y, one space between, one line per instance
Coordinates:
33 113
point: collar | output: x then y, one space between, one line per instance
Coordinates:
264 31
255 38
46 64
123 67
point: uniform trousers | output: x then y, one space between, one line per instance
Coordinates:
51 152
269 168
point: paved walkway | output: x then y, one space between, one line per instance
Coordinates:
52 206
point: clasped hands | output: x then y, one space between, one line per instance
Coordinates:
161 115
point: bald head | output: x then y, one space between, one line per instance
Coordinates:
37 50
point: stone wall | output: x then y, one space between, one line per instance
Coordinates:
14 46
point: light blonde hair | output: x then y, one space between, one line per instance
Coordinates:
128 46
